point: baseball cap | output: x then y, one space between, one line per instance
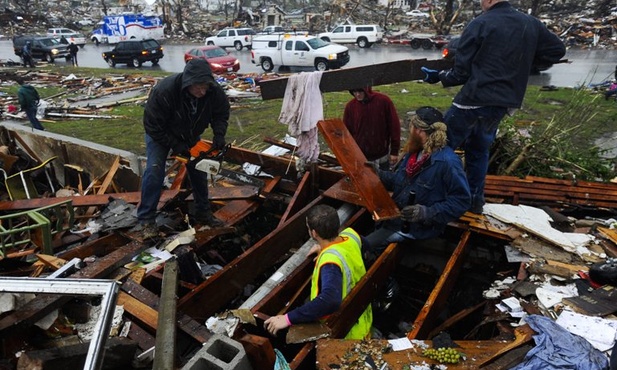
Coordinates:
429 115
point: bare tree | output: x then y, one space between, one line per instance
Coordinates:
444 17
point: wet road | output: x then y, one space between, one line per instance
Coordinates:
586 66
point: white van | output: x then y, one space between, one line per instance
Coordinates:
364 35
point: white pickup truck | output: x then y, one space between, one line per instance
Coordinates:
297 50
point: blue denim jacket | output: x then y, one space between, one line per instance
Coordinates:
441 186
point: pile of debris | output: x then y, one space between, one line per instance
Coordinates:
200 295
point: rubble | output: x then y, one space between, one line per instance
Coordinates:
261 234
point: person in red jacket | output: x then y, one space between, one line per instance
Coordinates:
372 120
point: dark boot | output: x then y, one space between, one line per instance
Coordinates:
208 219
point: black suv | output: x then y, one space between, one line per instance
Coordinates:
44 48
134 53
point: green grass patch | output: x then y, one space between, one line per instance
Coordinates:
574 118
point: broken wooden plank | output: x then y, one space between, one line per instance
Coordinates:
433 306
345 191
211 295
165 355
44 304
300 198
376 198
371 75
185 323
214 193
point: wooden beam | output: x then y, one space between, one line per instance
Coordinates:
185 323
211 295
82 201
376 198
433 306
166 335
371 75
300 198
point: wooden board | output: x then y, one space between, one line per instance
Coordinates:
371 75
376 198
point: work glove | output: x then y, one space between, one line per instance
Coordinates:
218 142
432 75
181 150
414 213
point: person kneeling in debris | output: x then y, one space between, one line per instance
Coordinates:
338 269
179 109
429 185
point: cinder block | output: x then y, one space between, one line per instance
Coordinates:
219 353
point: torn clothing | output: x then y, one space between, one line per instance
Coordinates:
302 109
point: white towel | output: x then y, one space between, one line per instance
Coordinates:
302 109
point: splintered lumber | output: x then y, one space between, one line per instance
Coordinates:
300 198
375 196
371 75
554 193
164 356
146 298
217 193
210 296
436 301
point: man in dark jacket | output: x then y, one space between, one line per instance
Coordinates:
73 49
26 54
29 102
179 109
493 61
429 185
373 122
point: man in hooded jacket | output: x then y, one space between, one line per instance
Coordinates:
179 109
372 120
29 101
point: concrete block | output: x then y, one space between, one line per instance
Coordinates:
219 353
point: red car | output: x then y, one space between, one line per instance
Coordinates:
220 61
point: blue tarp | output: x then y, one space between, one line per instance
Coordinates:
558 349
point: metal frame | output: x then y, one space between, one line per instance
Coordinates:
108 289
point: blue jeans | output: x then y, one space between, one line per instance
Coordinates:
474 131
385 234
152 183
31 114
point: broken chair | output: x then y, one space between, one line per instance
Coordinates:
20 185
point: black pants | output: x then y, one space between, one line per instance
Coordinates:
74 59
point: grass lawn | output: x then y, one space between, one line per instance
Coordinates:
576 117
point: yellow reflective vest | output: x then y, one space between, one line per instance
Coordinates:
347 255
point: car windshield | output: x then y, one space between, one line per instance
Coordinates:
317 43
49 42
213 53
150 44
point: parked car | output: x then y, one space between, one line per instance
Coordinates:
449 53
70 35
44 48
134 53
220 61
272 29
238 38
364 35
417 14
